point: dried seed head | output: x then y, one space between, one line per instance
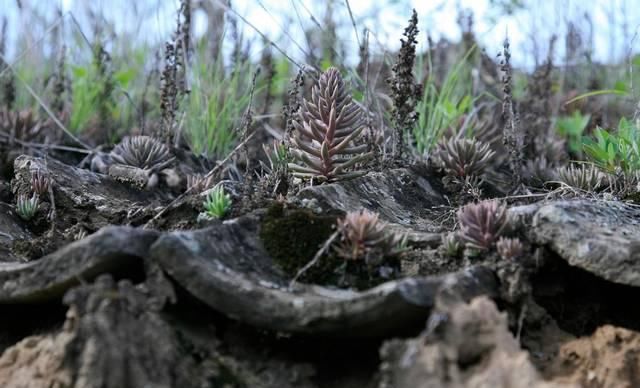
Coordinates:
583 177
364 236
509 248
144 152
481 223
326 129
464 157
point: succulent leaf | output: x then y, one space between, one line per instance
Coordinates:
325 132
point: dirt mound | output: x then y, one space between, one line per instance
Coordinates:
468 345
608 358
36 362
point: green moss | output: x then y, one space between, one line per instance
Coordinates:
227 374
633 197
293 236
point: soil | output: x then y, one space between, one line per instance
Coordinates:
217 300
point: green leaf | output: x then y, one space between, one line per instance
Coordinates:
325 64
595 93
124 77
79 71
621 86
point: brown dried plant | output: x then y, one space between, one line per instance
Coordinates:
509 248
462 157
325 131
481 223
363 236
144 152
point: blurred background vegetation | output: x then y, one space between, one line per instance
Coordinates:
98 66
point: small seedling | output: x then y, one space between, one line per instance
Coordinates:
451 244
612 150
217 203
27 207
280 155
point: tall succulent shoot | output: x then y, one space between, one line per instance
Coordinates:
325 132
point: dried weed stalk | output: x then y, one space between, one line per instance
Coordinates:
169 92
267 63
105 99
293 104
60 82
185 35
512 137
405 92
7 78
545 149
173 78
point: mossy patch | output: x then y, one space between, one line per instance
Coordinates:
633 197
293 236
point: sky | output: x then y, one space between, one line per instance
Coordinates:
614 24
